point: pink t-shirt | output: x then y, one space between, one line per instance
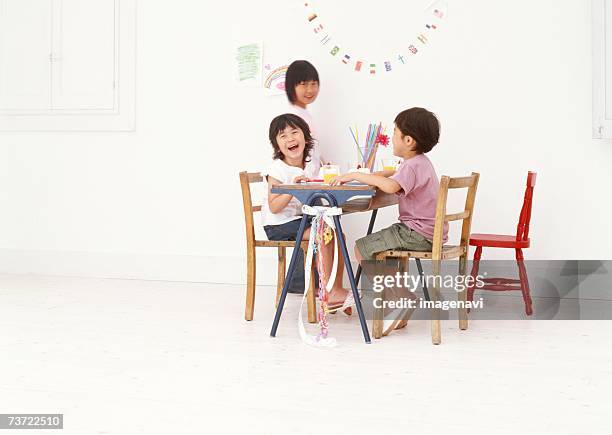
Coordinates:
419 195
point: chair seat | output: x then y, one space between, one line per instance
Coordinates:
279 244
448 252
498 241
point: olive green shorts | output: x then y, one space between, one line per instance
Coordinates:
397 236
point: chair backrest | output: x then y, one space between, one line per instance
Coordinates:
471 184
522 229
246 178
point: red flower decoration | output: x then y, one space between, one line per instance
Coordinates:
382 139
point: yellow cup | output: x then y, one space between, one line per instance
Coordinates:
329 172
389 164
327 178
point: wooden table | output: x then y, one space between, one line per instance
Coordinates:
370 199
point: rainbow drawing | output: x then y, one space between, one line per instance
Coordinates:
275 80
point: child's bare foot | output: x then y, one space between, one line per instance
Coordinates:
333 310
396 320
401 324
337 297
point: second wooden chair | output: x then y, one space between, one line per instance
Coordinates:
440 252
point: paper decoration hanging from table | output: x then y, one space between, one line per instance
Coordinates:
434 15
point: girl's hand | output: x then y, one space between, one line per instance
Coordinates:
341 179
300 179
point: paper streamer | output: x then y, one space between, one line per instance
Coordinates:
434 14
322 216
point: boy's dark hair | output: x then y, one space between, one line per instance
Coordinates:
421 125
279 124
298 72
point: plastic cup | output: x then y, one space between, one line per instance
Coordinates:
389 164
329 172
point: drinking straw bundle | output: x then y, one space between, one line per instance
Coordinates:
374 137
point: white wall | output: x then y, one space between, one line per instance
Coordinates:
511 82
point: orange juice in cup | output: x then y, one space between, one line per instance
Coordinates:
329 172
389 164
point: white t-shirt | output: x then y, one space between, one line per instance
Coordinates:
315 154
285 174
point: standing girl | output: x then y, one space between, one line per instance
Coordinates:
302 88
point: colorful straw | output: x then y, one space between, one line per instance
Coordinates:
374 137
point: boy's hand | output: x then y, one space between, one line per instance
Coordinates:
300 179
344 178
383 183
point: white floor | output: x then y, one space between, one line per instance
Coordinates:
136 357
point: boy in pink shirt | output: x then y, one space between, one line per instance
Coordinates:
416 132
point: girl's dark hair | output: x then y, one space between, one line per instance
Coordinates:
298 72
279 124
421 125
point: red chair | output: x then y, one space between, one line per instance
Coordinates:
518 242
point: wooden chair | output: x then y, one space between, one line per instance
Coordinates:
440 252
517 242
251 244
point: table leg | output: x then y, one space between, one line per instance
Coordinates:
349 271
370 228
296 250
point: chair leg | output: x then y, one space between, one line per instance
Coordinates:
404 322
311 297
524 282
474 273
250 296
436 334
378 317
280 281
402 268
378 312
462 296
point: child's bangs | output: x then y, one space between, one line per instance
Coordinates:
282 124
306 73
308 76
